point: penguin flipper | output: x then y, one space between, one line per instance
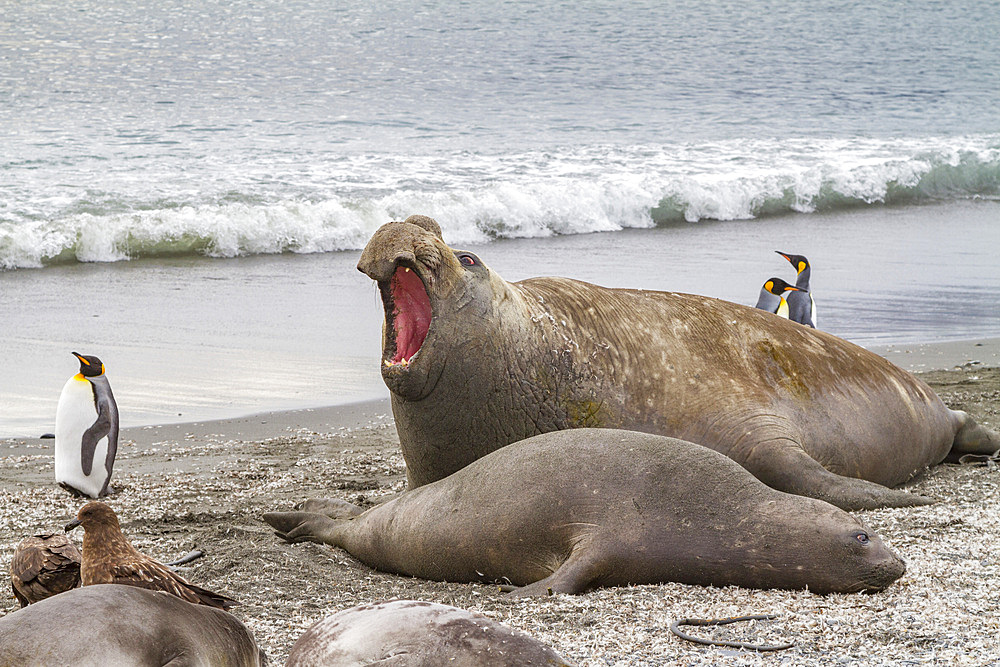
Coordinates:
93 435
109 460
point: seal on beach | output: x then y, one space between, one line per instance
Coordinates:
412 632
109 558
44 565
86 430
109 624
569 511
801 304
475 363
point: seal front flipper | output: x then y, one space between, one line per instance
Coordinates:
785 466
302 527
578 574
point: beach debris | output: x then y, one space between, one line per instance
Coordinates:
702 622
189 557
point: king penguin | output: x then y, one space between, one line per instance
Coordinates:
86 430
771 298
801 305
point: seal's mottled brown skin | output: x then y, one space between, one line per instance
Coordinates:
803 410
577 509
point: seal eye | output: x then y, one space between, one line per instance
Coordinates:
467 260
862 538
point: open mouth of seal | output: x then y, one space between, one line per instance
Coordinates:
408 316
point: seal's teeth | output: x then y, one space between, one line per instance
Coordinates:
406 269
387 362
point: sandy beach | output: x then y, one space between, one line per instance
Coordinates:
205 485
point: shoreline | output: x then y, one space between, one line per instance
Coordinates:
912 357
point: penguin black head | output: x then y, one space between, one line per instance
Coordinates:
779 286
798 261
90 367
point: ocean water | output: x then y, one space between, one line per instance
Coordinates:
185 186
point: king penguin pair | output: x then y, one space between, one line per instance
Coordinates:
799 305
86 431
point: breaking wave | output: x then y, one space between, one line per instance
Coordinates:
337 205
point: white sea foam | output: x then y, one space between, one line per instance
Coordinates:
276 204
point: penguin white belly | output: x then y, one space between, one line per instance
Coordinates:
812 312
75 413
782 309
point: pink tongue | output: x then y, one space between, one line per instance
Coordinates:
412 314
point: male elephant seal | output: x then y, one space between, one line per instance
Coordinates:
413 633
573 510
111 624
475 363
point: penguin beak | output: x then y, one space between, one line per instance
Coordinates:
72 524
82 360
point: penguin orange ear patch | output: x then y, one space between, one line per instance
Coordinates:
802 266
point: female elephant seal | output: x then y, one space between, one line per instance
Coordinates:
410 632
475 363
569 511
112 624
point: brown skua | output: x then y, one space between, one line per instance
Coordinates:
44 565
109 558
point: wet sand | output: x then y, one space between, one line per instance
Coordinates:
205 485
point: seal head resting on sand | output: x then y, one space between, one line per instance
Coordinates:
110 624
569 511
411 632
475 363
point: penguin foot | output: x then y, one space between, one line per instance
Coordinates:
73 491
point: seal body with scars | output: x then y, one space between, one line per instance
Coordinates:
110 624
475 363
410 632
578 509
